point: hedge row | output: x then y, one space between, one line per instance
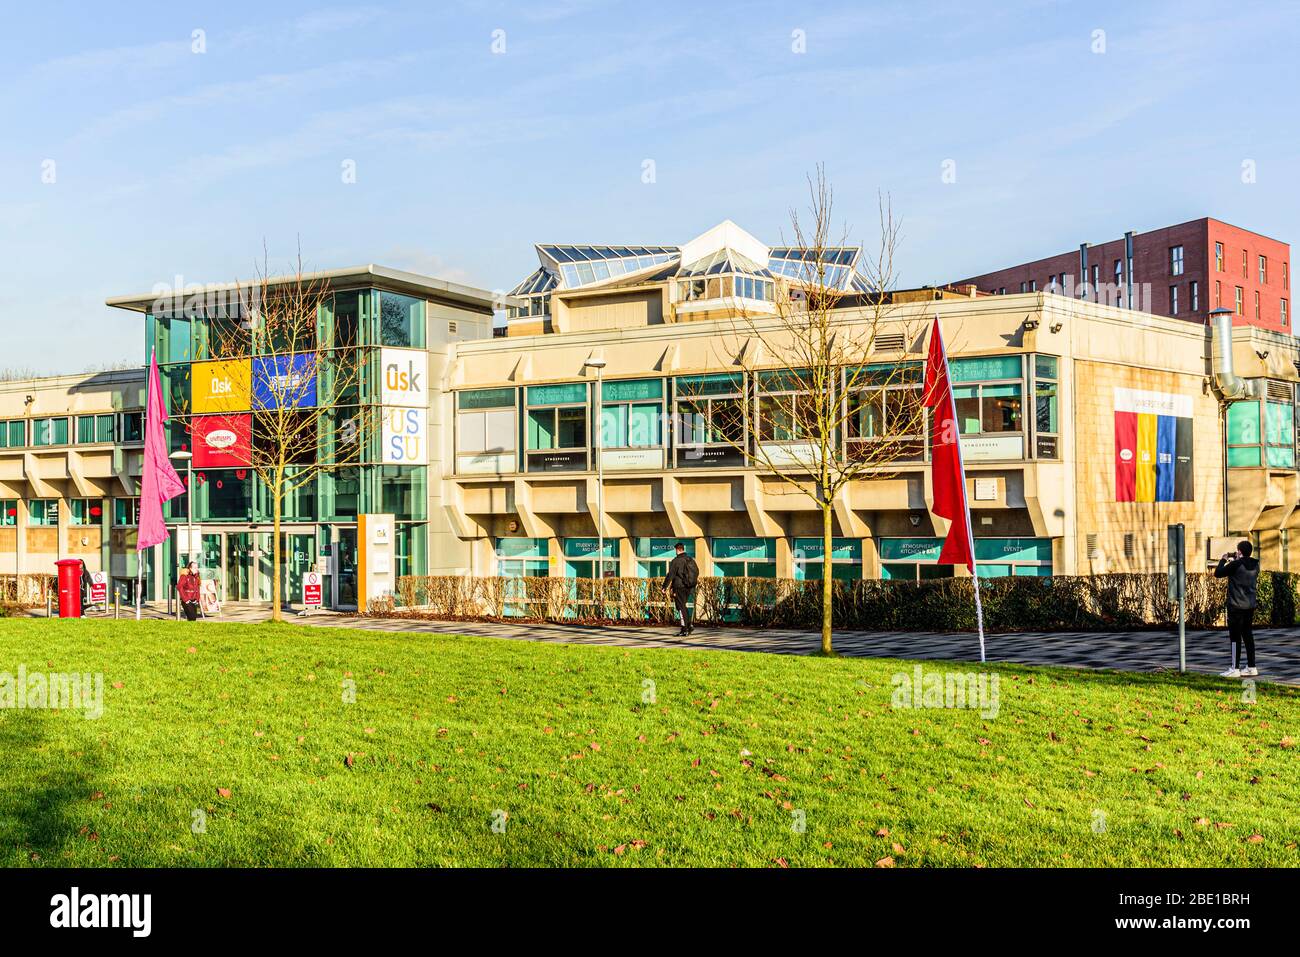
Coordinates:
1061 603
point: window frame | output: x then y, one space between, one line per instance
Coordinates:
575 458
904 377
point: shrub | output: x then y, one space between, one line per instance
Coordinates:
1062 603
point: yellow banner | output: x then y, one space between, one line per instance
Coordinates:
223 385
1146 458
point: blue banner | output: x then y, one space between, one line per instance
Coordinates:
284 381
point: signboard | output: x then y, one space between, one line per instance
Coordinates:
404 437
222 441
1177 547
986 490
589 548
910 549
486 463
1153 446
731 549
405 380
632 458
311 590
705 456
99 588
284 381
221 386
375 558
558 461
183 544
842 549
794 454
982 448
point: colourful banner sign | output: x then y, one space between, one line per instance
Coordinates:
284 381
1153 447
405 436
222 441
220 386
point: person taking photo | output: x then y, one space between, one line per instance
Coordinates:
1242 573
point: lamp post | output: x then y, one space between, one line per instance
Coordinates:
188 459
599 366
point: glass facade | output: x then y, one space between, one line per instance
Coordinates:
218 378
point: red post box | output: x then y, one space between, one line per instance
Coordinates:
69 587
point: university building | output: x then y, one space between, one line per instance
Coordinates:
1087 428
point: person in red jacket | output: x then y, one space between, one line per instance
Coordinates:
187 587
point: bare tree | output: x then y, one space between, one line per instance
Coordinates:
826 413
308 414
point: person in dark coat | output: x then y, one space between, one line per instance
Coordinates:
1242 573
188 587
683 574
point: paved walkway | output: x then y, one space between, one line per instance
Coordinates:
1207 651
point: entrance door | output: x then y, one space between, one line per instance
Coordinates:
345 587
299 558
239 557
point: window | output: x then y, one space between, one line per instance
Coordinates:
584 559
1001 557
557 426
911 559
1096 283
404 491
1175 260
1279 433
1286 278
710 412
13 434
94 429
1263 270
1218 257
43 512
1257 306
810 559
1245 269
1264 437
133 426
401 321
1173 300
1024 287
8 512
85 511
486 430
1241 301
1218 294
1047 426
984 404
126 512
785 406
1195 289
654 554
1033 285
885 410
49 432
630 414
1284 312
744 557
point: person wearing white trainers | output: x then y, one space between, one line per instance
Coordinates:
1242 572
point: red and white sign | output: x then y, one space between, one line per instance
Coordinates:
222 441
99 588
311 590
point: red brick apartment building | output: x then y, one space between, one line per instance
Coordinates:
1184 271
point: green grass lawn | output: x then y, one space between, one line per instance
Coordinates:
248 725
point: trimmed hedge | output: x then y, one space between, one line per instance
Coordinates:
1061 603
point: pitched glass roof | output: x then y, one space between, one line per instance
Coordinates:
724 261
801 265
543 280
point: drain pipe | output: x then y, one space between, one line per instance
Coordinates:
1227 385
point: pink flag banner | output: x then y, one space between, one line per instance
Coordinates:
158 482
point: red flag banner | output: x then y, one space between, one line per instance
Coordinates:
947 471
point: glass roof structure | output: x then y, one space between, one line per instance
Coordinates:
564 266
724 261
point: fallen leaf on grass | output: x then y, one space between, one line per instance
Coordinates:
885 862
224 792
1255 839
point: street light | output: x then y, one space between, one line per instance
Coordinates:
599 366
188 459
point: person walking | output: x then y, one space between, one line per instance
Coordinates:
683 574
1242 573
188 588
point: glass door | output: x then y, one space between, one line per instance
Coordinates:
345 561
299 558
239 556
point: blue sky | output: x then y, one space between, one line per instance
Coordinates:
169 162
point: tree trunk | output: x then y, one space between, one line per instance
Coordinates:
827 566
277 596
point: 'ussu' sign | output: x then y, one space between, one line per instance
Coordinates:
405 437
